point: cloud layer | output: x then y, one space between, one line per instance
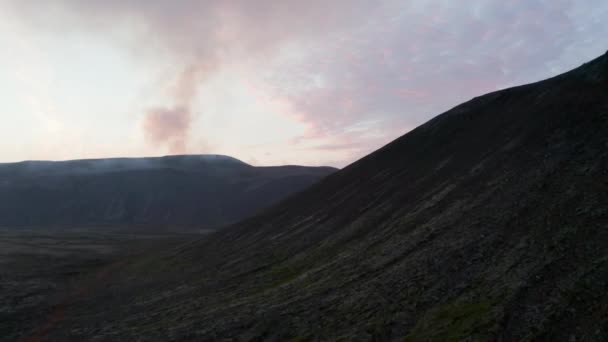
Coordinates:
355 73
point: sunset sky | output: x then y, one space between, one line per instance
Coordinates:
266 81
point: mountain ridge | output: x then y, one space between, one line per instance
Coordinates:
488 222
205 191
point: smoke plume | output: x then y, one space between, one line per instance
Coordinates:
170 125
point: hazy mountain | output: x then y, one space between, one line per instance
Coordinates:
488 223
203 191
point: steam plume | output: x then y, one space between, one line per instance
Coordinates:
170 125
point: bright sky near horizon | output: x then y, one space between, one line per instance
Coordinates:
267 81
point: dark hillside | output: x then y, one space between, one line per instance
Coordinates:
204 191
488 223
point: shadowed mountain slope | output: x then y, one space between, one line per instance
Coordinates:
205 191
489 222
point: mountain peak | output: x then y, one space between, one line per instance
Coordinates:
209 157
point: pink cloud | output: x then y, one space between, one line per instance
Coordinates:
350 61
410 93
168 126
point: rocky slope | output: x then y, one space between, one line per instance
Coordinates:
205 191
488 223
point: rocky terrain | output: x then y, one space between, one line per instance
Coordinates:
42 271
487 223
206 191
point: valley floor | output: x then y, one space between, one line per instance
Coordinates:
43 271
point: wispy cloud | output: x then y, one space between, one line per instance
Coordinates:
333 65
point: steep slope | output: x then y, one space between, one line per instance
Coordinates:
206 191
489 222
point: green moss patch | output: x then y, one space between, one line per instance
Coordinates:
282 274
455 322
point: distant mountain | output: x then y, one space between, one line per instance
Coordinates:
203 191
487 223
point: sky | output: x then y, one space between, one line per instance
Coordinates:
267 81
